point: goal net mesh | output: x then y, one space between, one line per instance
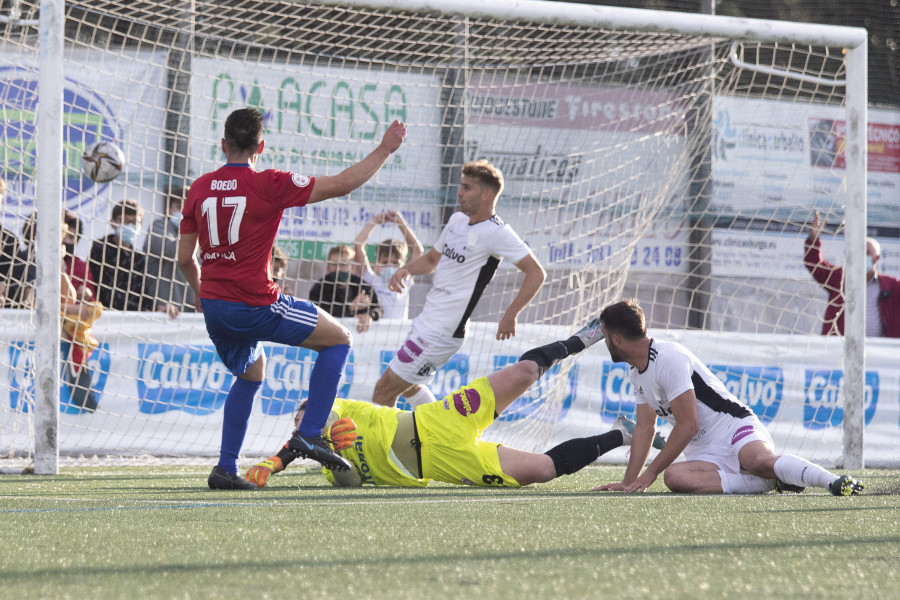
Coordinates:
636 164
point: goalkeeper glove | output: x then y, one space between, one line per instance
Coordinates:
342 434
259 473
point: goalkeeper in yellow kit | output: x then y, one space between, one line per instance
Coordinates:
442 440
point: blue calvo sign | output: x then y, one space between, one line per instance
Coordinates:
761 388
822 403
288 370
193 379
447 379
618 393
21 378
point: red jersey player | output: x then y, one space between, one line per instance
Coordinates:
233 214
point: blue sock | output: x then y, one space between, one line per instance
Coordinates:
238 406
323 387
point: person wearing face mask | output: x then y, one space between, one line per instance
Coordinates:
882 291
390 255
119 269
342 293
76 268
165 281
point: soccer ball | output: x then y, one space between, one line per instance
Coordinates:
102 161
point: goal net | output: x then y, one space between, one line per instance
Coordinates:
679 168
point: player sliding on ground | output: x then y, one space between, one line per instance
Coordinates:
442 440
727 449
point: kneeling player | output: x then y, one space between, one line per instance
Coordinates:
442 440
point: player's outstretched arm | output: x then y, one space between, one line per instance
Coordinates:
534 279
355 175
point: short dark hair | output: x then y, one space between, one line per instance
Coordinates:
74 223
626 318
243 129
127 208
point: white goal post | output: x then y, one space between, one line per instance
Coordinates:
668 156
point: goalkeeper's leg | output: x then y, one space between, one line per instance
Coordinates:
566 458
511 382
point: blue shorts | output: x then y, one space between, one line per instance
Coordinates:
237 329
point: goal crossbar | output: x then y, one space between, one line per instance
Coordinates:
632 19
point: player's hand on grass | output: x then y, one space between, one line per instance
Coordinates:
610 487
260 472
342 434
640 484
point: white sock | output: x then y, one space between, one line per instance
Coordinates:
738 483
423 396
799 471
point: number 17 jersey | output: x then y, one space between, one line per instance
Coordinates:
236 212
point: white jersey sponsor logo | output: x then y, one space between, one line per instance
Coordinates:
299 180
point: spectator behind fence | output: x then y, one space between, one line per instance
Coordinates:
165 281
118 269
9 247
76 268
342 293
77 343
279 268
390 255
882 291
20 292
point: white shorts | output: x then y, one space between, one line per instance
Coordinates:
721 448
422 354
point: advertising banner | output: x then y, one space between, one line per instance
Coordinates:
166 397
97 106
578 182
785 160
318 121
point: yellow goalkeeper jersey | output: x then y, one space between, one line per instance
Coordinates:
370 453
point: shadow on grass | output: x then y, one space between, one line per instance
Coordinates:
254 568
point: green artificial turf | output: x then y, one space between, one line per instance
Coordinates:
158 532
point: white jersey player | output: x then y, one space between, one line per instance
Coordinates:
727 449
463 260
